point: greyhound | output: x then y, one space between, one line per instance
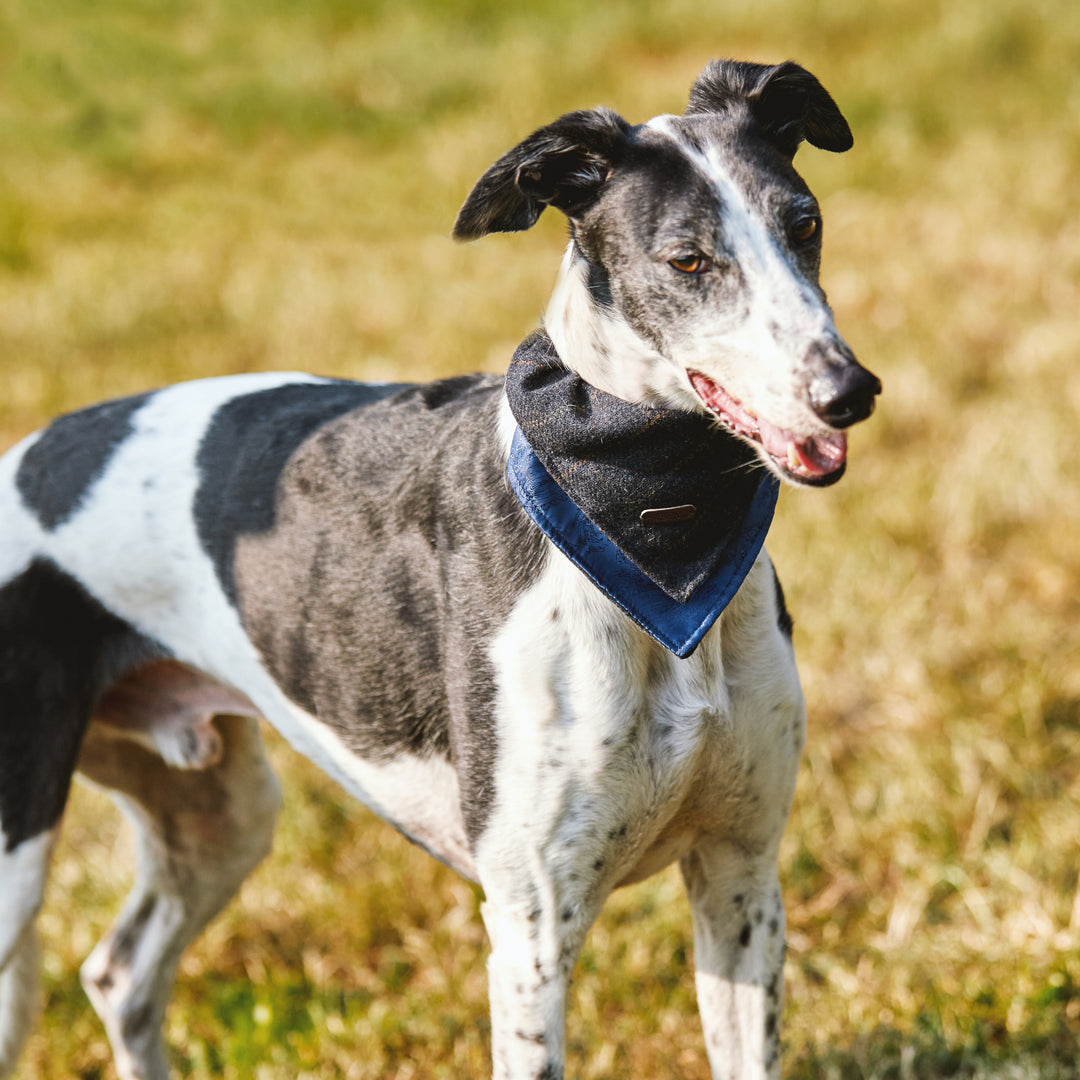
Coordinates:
528 620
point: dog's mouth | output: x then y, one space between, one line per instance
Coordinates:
806 459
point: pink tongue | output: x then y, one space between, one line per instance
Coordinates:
818 455
823 454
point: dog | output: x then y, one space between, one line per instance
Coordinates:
529 621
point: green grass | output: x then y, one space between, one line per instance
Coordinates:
191 188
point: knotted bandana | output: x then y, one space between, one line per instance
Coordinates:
585 465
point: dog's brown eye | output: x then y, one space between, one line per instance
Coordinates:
690 264
804 229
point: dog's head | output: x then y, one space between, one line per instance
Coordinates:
692 277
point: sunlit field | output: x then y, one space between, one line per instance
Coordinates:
201 187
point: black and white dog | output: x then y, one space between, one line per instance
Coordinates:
527 620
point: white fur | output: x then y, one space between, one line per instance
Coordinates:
583 336
23 872
417 795
22 882
21 533
18 996
153 572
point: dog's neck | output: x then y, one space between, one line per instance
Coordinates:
595 341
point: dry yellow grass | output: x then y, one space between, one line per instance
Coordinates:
197 188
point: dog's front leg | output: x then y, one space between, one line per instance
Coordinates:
739 957
534 946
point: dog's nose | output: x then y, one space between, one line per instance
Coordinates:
844 392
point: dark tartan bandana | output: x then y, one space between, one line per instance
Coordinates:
615 459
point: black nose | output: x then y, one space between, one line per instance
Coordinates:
843 394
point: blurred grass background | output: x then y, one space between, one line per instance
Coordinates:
191 187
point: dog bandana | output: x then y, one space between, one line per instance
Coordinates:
663 510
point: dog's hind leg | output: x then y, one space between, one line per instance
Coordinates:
23 871
738 957
18 997
57 644
199 833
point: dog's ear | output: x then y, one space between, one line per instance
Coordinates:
563 165
787 101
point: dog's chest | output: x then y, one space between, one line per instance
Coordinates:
614 755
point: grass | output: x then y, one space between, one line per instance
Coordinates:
191 188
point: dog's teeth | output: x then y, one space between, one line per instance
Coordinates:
793 456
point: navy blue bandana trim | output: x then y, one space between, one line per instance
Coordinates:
677 626
585 464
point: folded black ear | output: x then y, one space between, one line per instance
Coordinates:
563 165
786 100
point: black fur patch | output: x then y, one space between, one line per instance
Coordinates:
564 164
127 939
56 472
58 649
390 550
783 616
599 282
787 101
244 450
